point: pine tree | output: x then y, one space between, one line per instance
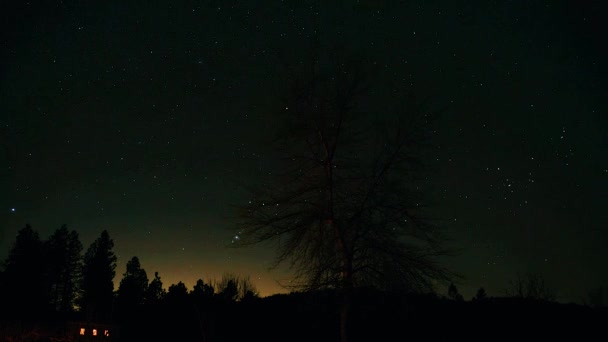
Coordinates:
202 293
133 286
97 278
156 293
63 269
177 294
25 291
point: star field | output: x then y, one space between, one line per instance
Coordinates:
146 120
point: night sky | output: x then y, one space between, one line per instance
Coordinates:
143 119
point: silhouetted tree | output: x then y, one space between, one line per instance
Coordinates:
345 208
480 295
249 296
177 294
531 286
202 293
64 265
247 290
97 278
228 288
595 298
3 289
232 287
454 294
156 293
133 286
25 289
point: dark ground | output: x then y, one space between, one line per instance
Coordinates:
314 317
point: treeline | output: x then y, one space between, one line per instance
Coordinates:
40 277
52 278
51 283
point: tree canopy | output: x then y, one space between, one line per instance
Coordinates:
345 206
133 286
155 293
64 268
98 275
24 283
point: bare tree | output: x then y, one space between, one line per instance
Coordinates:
595 298
232 287
531 286
344 207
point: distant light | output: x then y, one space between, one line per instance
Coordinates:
82 331
94 332
13 210
106 333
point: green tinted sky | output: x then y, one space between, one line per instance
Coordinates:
141 119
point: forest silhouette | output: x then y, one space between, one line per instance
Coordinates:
50 291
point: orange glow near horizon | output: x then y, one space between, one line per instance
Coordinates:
171 272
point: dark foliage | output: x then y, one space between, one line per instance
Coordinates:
453 293
376 316
229 310
177 294
202 293
41 278
97 279
25 290
133 287
64 266
155 293
480 295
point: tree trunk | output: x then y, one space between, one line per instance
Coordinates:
347 291
347 265
345 310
